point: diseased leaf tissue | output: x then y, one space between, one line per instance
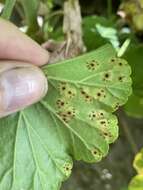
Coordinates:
74 120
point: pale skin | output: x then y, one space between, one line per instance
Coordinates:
22 83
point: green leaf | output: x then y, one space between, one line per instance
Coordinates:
8 8
135 56
134 106
91 34
74 119
110 34
32 152
30 9
89 87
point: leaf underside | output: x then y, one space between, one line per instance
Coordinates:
74 120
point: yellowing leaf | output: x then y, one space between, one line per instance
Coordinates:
137 182
138 162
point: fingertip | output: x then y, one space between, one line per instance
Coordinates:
15 45
42 57
21 87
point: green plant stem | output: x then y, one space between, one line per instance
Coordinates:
8 8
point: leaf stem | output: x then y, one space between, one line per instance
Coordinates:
124 47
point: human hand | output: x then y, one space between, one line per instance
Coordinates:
22 83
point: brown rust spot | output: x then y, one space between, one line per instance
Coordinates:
92 65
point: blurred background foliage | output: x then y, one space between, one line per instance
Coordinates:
103 21
137 181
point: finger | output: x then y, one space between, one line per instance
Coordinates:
15 45
21 84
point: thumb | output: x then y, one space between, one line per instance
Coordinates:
20 85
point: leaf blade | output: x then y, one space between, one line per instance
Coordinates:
33 164
74 76
72 120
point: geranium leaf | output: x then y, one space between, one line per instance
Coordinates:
74 119
33 155
83 92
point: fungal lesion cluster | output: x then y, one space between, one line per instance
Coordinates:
97 153
100 94
88 98
116 106
67 115
100 114
103 124
95 115
99 118
121 78
67 167
105 129
92 65
91 94
67 90
118 61
61 103
107 76
64 104
107 135
92 115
